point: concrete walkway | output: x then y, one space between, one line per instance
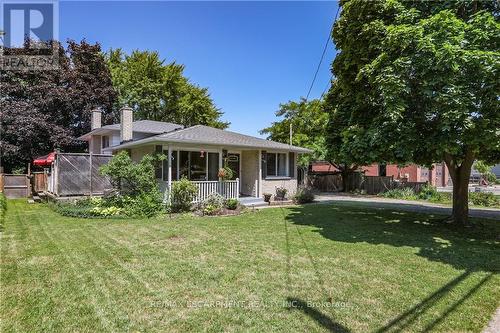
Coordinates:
406 205
494 324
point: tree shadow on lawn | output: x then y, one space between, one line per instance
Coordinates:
470 250
474 249
319 317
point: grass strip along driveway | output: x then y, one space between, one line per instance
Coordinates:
329 267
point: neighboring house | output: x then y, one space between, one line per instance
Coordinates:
198 152
438 176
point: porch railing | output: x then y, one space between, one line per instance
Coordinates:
229 189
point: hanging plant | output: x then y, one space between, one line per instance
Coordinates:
225 173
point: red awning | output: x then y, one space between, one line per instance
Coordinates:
45 160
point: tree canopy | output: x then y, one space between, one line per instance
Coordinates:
308 121
417 81
45 109
159 91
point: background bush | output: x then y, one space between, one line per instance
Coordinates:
181 196
485 199
400 193
303 195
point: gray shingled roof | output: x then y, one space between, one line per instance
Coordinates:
200 134
140 126
148 126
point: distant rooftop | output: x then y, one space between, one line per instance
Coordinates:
148 126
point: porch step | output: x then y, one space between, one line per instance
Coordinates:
255 202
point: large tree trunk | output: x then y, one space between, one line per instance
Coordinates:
460 175
344 173
460 213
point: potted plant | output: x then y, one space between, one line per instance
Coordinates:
280 193
267 197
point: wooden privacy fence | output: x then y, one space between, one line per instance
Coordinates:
324 183
376 184
358 181
15 186
39 182
78 174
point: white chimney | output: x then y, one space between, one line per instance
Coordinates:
126 119
95 119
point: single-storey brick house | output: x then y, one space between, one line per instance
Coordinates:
198 152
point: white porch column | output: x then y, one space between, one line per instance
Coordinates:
258 191
169 158
220 158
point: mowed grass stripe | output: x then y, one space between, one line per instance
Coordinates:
91 287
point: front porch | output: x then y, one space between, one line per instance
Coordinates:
255 171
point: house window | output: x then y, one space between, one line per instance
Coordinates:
105 141
196 165
213 166
276 164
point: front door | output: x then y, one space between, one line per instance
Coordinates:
233 162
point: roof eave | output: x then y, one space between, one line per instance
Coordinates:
156 139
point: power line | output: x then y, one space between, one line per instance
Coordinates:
327 86
323 54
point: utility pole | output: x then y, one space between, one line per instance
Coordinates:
291 132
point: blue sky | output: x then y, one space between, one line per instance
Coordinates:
251 55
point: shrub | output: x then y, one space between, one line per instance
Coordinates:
232 204
213 204
107 211
137 192
281 192
400 193
131 178
303 195
267 197
88 208
182 194
428 192
18 171
486 199
145 204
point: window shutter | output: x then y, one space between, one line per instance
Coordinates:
158 169
291 165
263 162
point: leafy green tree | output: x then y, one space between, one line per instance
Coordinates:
417 81
308 121
485 171
159 91
45 109
131 178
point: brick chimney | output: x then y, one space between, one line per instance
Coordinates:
126 119
95 119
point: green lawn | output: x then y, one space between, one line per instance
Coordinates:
334 267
